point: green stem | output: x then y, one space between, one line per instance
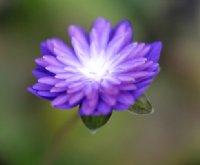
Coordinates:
56 147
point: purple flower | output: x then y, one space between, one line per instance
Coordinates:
102 71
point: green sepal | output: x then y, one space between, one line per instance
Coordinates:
96 121
141 106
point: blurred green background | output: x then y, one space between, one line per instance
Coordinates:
171 136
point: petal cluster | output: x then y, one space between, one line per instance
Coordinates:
102 71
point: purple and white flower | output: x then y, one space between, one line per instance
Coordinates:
102 71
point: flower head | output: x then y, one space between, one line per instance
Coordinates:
102 71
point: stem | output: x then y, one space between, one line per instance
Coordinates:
56 147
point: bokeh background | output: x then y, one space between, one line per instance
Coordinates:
170 136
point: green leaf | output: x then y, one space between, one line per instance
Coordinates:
141 106
94 122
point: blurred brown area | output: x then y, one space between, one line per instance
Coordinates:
170 136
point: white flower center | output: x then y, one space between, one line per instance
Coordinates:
96 67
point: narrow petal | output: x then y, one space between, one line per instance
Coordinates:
55 69
120 107
144 83
107 87
45 48
41 62
125 77
123 54
39 86
61 49
34 91
112 80
60 100
128 65
76 97
89 92
52 61
85 108
103 108
65 106
109 99
58 89
48 80
39 73
61 84
80 43
139 92
47 94
154 52
93 101
68 61
127 87
125 98
64 51
140 74
76 88
139 50
122 36
100 33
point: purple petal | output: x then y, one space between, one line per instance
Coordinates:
59 100
75 98
89 92
154 52
47 94
86 109
139 50
39 73
61 84
100 33
35 92
112 80
68 61
112 90
48 80
122 55
139 92
41 62
55 69
30 89
52 61
75 88
58 89
122 36
120 107
128 65
103 108
45 49
64 51
125 78
56 46
65 106
109 99
144 83
127 87
125 98
80 42
39 86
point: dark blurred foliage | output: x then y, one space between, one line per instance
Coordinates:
171 136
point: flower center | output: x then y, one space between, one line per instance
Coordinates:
95 68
